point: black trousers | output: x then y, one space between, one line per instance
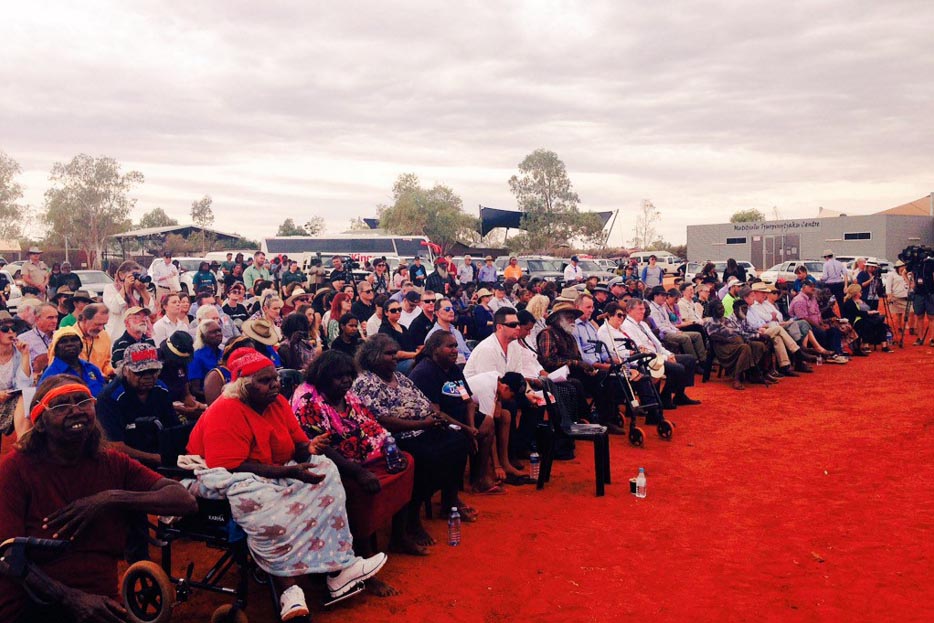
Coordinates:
440 458
678 375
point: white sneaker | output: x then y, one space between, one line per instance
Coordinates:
357 571
293 603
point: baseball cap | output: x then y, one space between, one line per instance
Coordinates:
141 357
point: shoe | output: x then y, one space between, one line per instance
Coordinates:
931 343
739 386
359 570
518 480
615 429
787 371
803 367
859 353
669 405
684 401
919 342
886 349
292 603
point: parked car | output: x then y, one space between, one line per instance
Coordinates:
15 294
187 267
535 266
93 281
692 268
665 259
592 268
884 265
786 270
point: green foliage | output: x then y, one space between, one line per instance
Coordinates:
201 213
358 224
89 201
11 192
551 216
747 216
437 213
156 218
289 228
314 226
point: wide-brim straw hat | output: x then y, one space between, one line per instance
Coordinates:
260 330
563 307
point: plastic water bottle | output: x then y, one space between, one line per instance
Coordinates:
820 361
888 336
640 483
534 465
454 527
394 460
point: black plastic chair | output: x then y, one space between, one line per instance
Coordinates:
561 424
289 380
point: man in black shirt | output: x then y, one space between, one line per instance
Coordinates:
138 331
364 307
423 323
234 307
339 276
417 272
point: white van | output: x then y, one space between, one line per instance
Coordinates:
665 259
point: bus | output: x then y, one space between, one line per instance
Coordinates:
360 248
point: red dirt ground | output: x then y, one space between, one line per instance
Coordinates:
809 501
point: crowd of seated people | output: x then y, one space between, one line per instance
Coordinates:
445 360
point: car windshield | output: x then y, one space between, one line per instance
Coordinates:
94 276
814 267
589 266
543 266
190 264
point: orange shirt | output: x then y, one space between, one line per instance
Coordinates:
512 272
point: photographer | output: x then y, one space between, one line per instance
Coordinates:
897 289
129 289
920 261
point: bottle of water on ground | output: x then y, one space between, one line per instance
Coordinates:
395 462
640 483
454 527
534 465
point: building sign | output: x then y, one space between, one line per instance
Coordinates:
784 226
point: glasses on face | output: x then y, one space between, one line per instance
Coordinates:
426 301
366 291
394 310
620 315
6 328
86 404
447 308
152 372
511 325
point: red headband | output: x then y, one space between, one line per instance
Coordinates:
61 390
246 361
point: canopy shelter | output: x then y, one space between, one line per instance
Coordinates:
491 218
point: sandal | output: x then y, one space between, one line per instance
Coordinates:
493 490
515 480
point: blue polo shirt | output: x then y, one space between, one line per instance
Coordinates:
204 360
90 375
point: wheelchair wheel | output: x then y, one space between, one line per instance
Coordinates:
147 592
665 430
636 436
260 576
227 614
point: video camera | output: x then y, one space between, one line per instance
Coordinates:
919 260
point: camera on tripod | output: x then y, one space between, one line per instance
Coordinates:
919 260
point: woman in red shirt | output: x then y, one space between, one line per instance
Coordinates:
291 531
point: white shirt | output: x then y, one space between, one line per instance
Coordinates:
642 335
164 327
486 357
496 303
372 325
573 273
758 316
895 285
165 275
608 335
691 312
483 388
523 360
406 318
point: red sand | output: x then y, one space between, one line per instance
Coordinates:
809 501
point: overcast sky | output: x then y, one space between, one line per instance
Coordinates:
292 109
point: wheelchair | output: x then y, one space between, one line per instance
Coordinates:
651 409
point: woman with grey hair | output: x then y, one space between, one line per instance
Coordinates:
400 407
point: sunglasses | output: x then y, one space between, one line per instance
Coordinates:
7 328
151 372
394 310
511 325
366 291
447 308
428 300
620 315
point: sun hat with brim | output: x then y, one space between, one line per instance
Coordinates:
827 253
33 250
132 311
657 366
141 357
899 264
744 292
761 286
5 316
731 281
483 292
179 345
563 307
62 291
82 296
297 292
260 330
871 263
568 295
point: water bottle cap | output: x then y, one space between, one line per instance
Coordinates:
641 469
453 509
